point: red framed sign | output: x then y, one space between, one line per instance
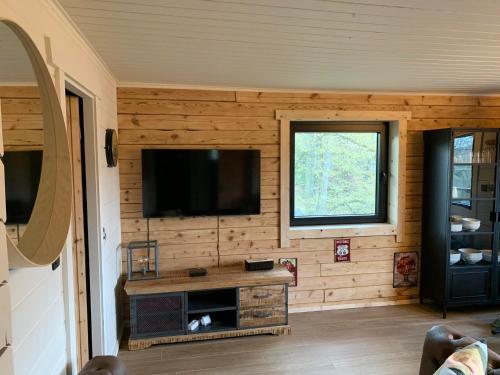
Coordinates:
343 250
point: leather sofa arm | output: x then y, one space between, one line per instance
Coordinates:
104 365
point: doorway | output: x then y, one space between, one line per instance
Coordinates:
80 253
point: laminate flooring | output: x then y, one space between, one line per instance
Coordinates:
374 340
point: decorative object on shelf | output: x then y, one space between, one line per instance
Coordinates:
471 256
193 325
487 255
205 320
490 151
470 224
111 147
197 272
140 256
343 250
456 223
259 264
144 262
405 269
454 257
291 266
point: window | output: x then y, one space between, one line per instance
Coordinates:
338 173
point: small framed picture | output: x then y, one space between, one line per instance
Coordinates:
343 250
405 270
291 265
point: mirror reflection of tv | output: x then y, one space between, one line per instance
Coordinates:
22 176
200 182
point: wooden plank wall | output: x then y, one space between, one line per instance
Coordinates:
155 118
22 125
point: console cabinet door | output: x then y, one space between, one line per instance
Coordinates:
262 316
261 306
157 315
470 285
258 296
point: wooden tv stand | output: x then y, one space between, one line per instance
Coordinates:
240 303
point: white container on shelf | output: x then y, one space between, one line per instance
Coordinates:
193 325
454 257
471 256
456 227
487 255
470 224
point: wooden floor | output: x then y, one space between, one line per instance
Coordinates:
377 340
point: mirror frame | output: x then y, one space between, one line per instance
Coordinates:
47 229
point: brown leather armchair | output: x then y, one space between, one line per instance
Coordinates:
104 365
441 341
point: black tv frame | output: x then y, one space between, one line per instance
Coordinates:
151 209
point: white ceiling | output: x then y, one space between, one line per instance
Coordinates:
15 66
368 45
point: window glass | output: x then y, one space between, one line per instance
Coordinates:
338 173
335 174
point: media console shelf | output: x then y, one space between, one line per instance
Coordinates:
240 303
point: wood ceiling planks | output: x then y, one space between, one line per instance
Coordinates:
377 45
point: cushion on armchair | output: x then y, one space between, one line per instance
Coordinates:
471 360
442 341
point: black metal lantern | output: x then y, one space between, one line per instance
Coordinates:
142 260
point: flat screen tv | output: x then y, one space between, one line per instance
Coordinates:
200 182
22 176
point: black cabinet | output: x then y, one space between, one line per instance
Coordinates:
461 181
164 317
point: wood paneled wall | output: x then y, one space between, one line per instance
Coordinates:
22 124
156 118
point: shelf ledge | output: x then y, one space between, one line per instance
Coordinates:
211 310
350 230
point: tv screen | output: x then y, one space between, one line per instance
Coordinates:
22 176
200 182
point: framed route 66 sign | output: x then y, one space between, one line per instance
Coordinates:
343 250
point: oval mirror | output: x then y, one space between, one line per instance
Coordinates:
36 155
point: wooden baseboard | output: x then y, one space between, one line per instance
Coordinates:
137 344
301 309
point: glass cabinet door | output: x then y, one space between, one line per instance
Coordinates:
474 147
473 218
474 165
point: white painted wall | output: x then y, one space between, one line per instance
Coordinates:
38 321
43 343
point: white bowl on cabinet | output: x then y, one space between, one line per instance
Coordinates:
470 224
471 256
454 257
487 255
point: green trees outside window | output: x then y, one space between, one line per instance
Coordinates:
339 173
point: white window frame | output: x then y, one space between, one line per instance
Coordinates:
396 185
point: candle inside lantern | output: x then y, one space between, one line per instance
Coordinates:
143 261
